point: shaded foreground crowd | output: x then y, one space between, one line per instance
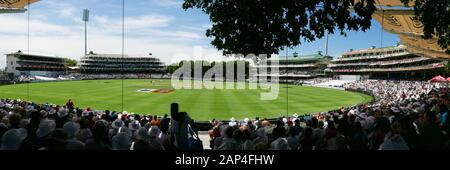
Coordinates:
406 115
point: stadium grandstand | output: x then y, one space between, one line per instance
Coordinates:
387 62
34 64
294 68
98 65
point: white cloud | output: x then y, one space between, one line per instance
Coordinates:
134 25
61 8
101 18
148 21
57 29
145 21
155 35
19 25
161 34
73 47
193 28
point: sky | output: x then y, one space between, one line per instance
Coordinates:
160 27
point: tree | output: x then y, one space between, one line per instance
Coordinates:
435 16
70 62
173 67
268 26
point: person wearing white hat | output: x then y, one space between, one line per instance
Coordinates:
43 113
52 111
45 128
154 131
62 117
118 123
279 144
285 120
154 142
142 140
63 111
143 134
232 122
134 125
12 139
71 129
294 117
245 121
85 113
126 130
43 133
122 141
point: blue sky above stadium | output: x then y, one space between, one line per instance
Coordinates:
160 27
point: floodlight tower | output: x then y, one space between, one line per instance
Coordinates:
85 19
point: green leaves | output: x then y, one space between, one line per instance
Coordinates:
268 26
70 62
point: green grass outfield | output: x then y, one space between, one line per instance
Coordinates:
201 104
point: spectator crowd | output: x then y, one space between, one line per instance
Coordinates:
29 126
405 115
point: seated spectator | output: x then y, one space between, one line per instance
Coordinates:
85 132
306 140
293 138
333 139
154 142
165 137
229 143
247 143
431 136
404 115
63 117
12 139
14 121
121 141
393 140
142 140
261 137
58 141
280 142
98 135
115 126
71 129
296 129
359 140
43 134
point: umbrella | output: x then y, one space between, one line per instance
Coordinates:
438 78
